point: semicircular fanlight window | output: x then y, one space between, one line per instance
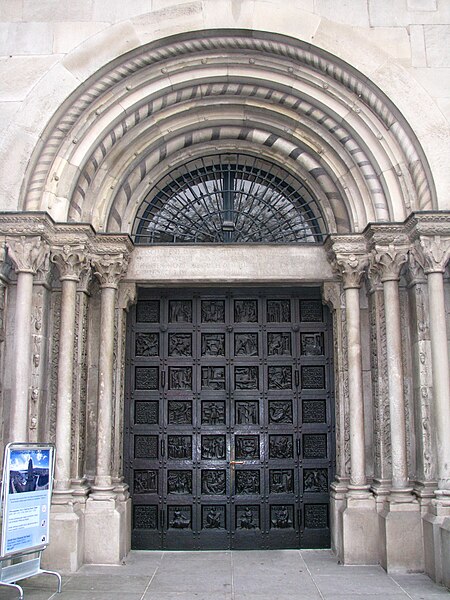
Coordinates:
228 198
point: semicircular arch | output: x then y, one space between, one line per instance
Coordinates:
166 102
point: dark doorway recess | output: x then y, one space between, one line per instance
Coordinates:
229 439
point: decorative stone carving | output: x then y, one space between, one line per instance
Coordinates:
435 251
109 269
71 262
388 260
27 253
351 267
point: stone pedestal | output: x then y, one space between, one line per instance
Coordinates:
360 538
67 527
436 539
401 542
108 531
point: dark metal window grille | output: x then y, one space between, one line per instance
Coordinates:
232 198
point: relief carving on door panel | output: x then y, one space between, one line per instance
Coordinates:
213 311
247 482
180 311
147 311
245 311
278 311
314 411
247 413
247 517
278 344
213 344
179 482
213 517
280 378
246 344
213 413
311 344
316 516
246 378
146 413
315 445
281 446
145 517
179 447
213 378
247 447
213 447
180 344
146 378
180 412
179 517
315 480
281 481
146 446
180 378
282 516
280 411
147 344
213 482
145 482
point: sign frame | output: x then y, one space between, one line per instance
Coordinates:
27 515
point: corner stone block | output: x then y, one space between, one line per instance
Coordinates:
107 531
401 538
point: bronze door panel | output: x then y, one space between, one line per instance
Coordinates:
229 421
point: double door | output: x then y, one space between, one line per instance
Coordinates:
229 424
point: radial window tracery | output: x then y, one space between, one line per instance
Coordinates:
228 198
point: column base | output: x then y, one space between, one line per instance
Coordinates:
65 551
107 531
401 543
338 503
358 535
436 538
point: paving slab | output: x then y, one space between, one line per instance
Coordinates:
231 575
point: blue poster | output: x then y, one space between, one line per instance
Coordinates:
26 495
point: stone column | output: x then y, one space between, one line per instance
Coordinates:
109 270
352 269
356 518
107 513
400 523
436 524
437 253
70 262
426 473
389 261
126 298
27 254
382 435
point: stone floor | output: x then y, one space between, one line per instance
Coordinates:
253 575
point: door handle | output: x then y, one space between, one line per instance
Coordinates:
299 447
162 447
163 379
297 377
237 462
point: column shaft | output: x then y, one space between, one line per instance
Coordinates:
65 382
395 378
22 358
105 385
357 445
441 379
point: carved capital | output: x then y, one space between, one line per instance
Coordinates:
27 253
71 262
416 266
127 295
332 294
388 261
351 268
435 252
109 269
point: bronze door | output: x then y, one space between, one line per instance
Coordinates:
229 419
